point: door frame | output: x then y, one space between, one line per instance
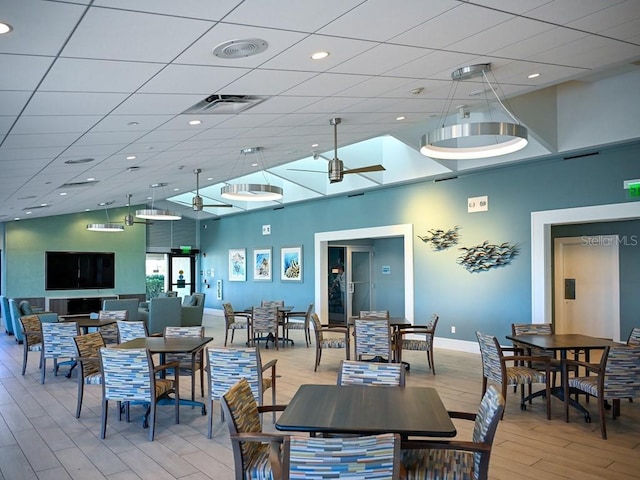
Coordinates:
541 250
321 244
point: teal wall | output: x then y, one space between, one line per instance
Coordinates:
26 242
488 301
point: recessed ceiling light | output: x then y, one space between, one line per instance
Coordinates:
209 178
79 160
16 218
63 193
133 169
176 189
533 75
5 28
314 145
132 124
254 164
319 55
90 179
401 117
195 122
28 213
44 204
131 157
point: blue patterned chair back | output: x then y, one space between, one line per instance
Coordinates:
370 457
372 337
374 314
88 345
265 319
228 365
272 303
371 373
57 339
192 332
491 365
634 337
535 329
241 412
486 424
126 374
113 315
131 330
622 372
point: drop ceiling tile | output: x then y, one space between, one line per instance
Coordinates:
91 151
157 104
284 104
609 19
626 31
543 42
380 59
330 105
55 123
124 123
28 154
72 103
13 102
426 67
266 82
378 87
40 140
591 52
127 35
194 79
326 84
25 71
184 8
6 121
108 138
567 11
513 6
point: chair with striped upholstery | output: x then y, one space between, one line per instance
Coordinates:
634 337
616 376
454 459
494 368
373 314
235 320
57 343
299 321
374 456
421 340
370 373
538 329
372 338
110 332
128 330
322 341
87 347
256 455
226 366
188 363
129 375
31 328
265 324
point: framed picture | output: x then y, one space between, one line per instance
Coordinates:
218 289
237 265
262 264
291 264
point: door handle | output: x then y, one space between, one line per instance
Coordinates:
352 287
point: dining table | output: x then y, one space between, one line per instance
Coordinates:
164 345
367 410
85 321
562 343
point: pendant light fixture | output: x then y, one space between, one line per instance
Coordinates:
490 139
105 227
252 192
155 213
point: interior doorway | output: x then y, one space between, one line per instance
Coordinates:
587 289
350 282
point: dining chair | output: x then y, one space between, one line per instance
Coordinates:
353 372
128 330
110 332
634 336
370 457
616 376
495 368
87 356
373 314
265 325
372 338
538 329
233 323
329 341
188 363
129 375
455 459
299 321
256 454
57 343
226 366
31 328
421 339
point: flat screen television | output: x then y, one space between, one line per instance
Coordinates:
79 270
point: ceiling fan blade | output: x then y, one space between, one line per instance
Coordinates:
218 205
305 170
370 168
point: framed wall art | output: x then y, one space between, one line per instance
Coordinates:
262 261
291 264
237 265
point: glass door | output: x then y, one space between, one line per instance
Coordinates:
358 280
182 274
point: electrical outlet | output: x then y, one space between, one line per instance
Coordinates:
453 329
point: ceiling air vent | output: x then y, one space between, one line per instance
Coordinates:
88 183
37 207
225 104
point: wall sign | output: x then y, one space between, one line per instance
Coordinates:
478 204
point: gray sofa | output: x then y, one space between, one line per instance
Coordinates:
192 310
162 312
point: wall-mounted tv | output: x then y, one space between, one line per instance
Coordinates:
79 270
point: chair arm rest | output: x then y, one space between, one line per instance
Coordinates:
33 332
335 329
87 359
415 329
257 437
271 408
592 367
166 366
270 364
157 334
527 358
446 445
462 415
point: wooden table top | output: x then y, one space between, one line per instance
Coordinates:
168 344
562 341
363 409
85 321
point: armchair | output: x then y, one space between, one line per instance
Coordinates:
163 312
430 459
47 317
232 323
322 341
422 339
26 309
192 310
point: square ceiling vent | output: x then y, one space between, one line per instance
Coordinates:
225 104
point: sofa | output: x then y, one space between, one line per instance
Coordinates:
192 310
162 312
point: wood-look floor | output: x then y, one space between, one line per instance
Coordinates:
40 438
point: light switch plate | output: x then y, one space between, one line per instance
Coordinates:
266 229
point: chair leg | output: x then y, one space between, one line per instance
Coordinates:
226 334
603 427
43 370
210 419
24 359
318 355
80 394
152 420
103 423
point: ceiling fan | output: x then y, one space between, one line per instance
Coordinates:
129 219
336 166
197 203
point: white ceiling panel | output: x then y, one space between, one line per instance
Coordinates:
40 140
73 103
326 84
27 71
543 42
13 102
196 79
594 51
567 11
612 21
157 104
380 59
184 8
55 123
513 6
426 67
266 82
6 121
125 123
27 154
